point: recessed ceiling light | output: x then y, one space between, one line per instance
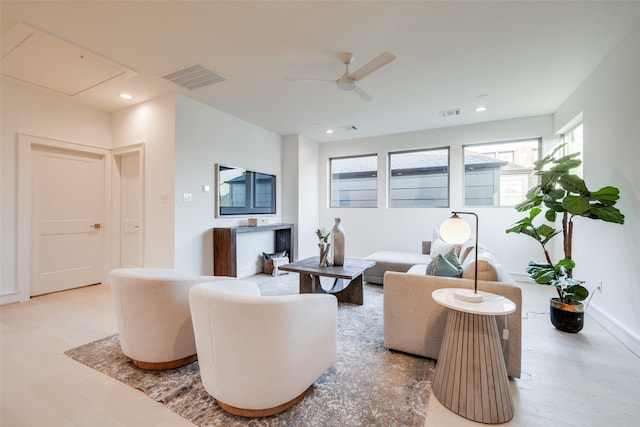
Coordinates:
480 108
125 96
329 131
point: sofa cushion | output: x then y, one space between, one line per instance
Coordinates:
487 266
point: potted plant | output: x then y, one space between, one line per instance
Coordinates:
564 196
323 245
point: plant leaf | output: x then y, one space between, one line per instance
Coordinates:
548 179
566 263
541 273
555 194
573 184
576 205
576 292
608 214
526 204
550 215
566 164
554 206
544 230
607 195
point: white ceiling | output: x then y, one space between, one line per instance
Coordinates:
526 57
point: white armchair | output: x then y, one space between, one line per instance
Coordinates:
258 355
151 306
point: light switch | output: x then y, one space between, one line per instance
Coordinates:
206 188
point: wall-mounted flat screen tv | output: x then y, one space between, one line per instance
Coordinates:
241 192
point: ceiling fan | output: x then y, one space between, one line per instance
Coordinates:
348 80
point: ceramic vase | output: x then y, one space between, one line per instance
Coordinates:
337 237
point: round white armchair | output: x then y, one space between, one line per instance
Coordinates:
258 355
152 312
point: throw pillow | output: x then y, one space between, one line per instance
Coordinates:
452 257
439 266
440 247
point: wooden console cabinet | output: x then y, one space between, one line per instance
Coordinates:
225 262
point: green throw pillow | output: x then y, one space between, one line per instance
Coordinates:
452 257
440 266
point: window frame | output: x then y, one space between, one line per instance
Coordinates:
330 186
419 150
486 143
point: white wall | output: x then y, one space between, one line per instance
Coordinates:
609 100
403 229
153 123
300 158
206 136
33 112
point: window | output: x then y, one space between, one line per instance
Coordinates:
499 174
419 178
573 139
354 181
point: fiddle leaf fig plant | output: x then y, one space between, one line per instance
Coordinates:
562 196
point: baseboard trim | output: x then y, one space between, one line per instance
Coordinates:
617 330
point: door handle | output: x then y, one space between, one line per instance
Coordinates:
96 226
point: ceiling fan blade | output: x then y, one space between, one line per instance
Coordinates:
368 68
364 95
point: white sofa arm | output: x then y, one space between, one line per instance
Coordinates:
414 323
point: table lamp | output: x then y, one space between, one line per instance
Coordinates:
457 231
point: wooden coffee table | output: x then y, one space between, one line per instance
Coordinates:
347 286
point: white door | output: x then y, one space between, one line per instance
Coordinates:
67 216
130 211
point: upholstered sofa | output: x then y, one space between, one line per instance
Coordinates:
414 323
395 261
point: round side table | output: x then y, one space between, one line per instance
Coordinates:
471 377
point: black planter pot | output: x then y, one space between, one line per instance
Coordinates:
567 317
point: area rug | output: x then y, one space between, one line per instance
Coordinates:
367 386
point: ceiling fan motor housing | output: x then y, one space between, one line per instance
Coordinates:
346 83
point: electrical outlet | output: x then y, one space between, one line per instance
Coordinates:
187 197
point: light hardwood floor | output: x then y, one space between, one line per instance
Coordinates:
585 379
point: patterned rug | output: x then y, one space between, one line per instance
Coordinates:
367 386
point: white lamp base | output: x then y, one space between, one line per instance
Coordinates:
467 295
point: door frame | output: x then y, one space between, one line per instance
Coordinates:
116 214
23 246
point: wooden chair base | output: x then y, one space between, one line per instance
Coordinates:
255 413
161 366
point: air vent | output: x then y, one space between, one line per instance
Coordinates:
451 113
194 77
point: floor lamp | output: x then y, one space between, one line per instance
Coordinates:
457 231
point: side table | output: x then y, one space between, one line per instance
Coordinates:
471 378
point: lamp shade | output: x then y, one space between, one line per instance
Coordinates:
455 230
